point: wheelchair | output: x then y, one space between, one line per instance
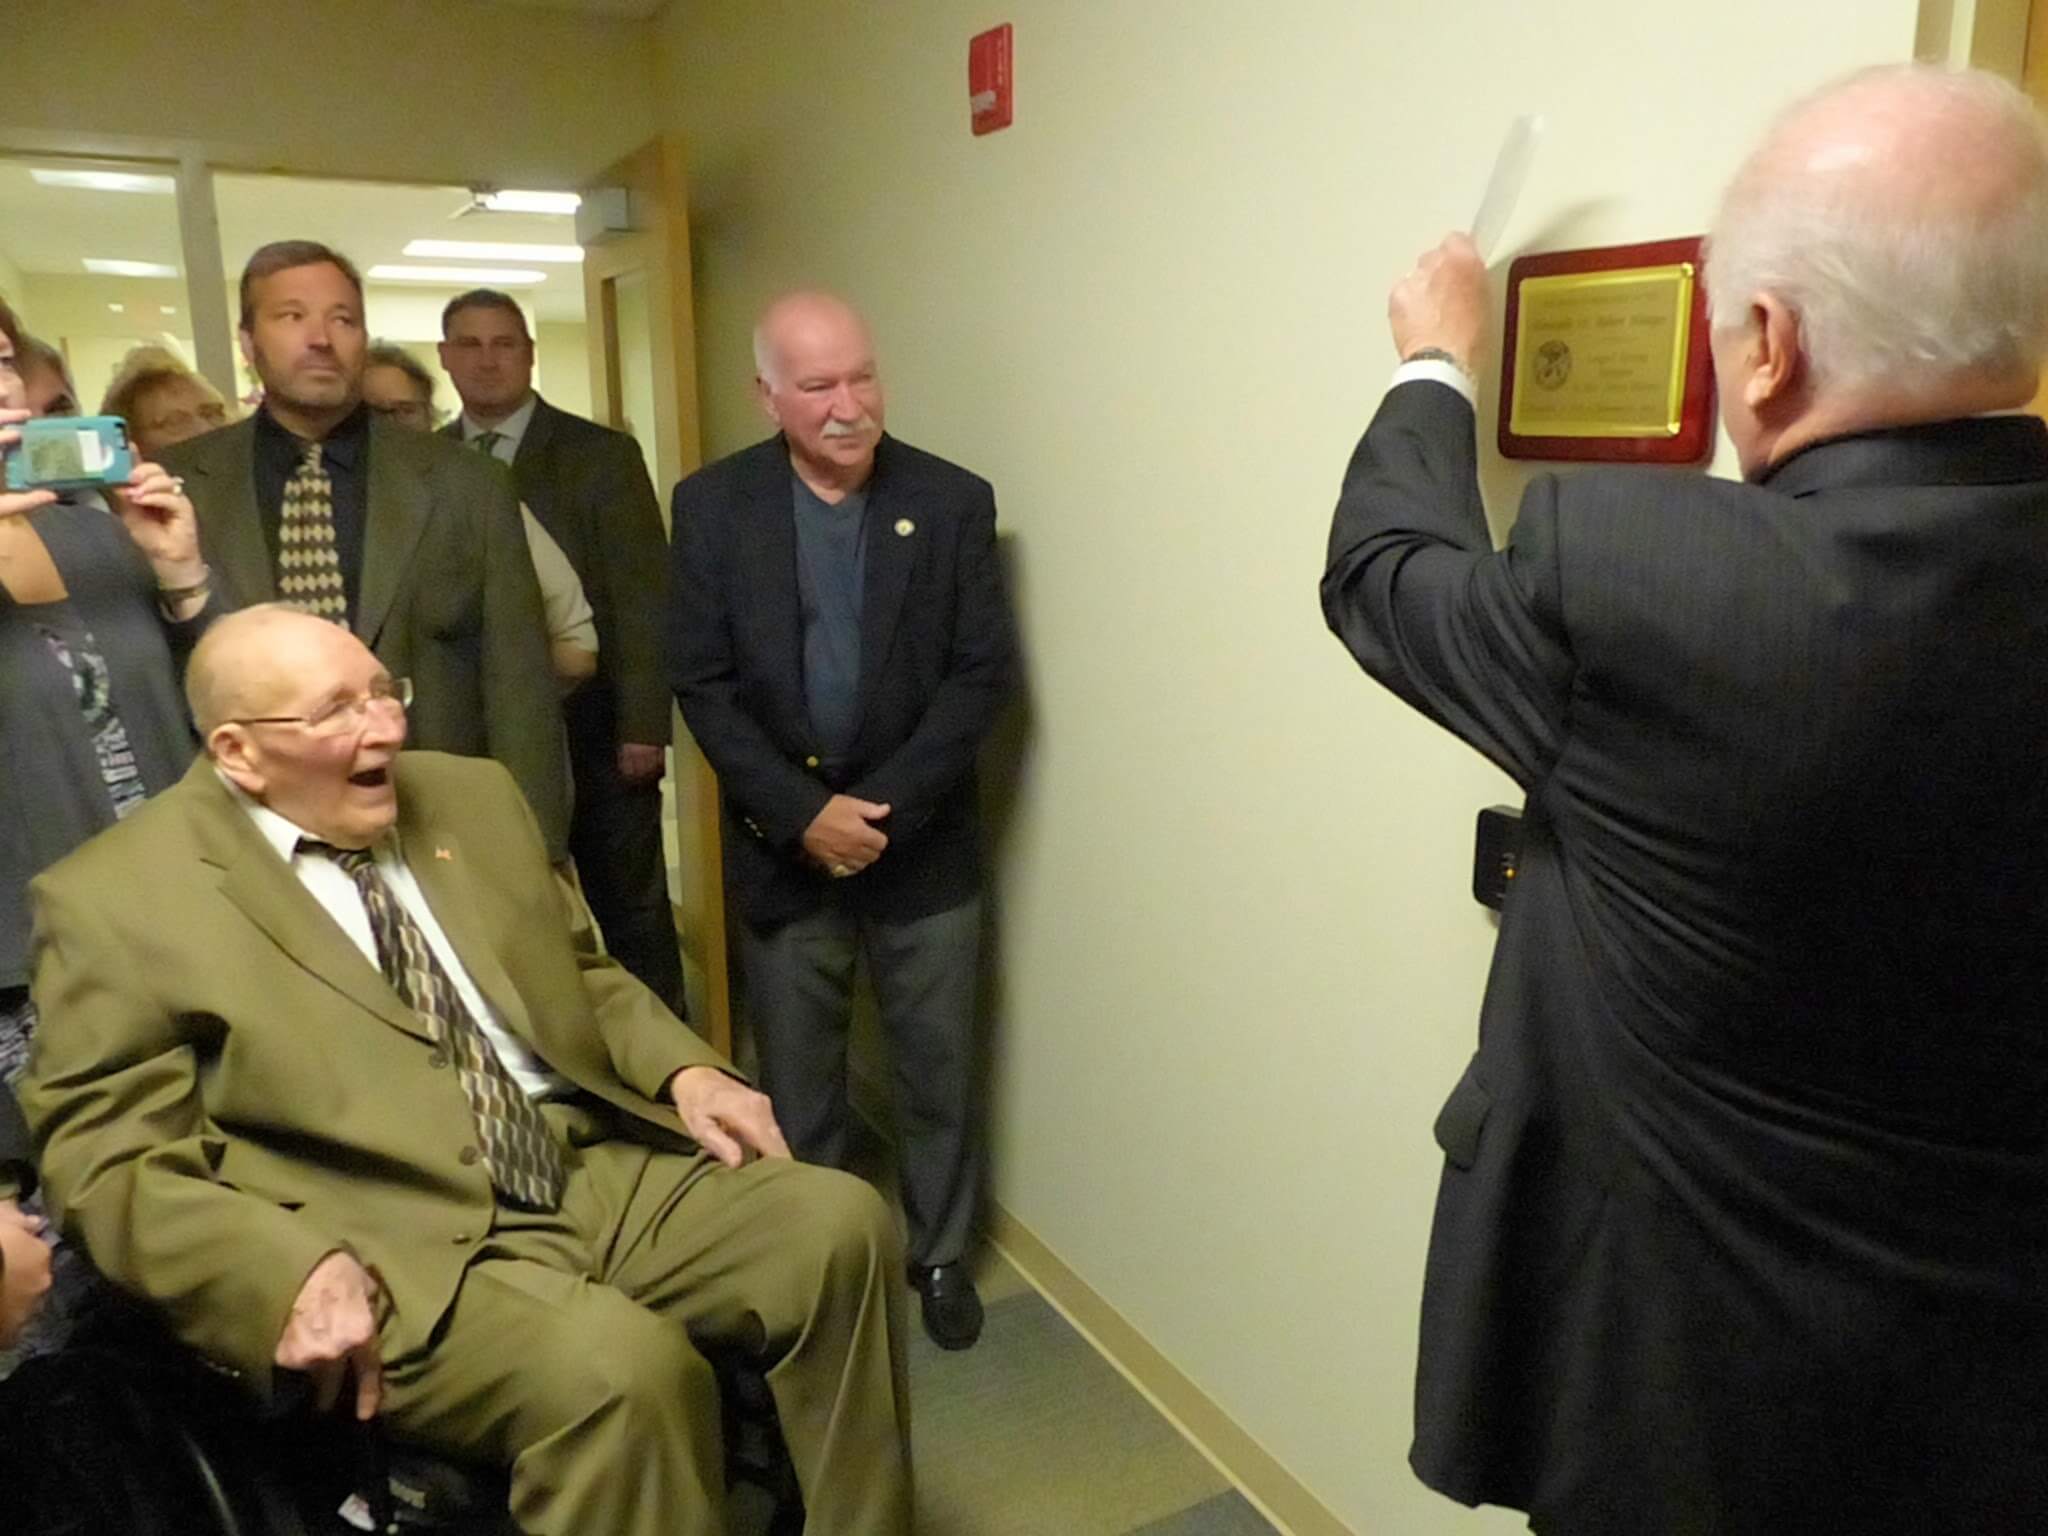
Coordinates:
127 1434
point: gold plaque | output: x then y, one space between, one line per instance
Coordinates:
1603 354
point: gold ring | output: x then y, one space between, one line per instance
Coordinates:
840 871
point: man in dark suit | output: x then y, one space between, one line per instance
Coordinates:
414 546
1740 1225
326 1076
840 643
589 488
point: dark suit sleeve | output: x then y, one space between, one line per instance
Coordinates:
703 667
630 564
522 709
940 752
1473 638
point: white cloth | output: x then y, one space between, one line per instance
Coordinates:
510 430
561 593
1441 372
330 885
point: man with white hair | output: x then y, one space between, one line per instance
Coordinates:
839 641
1741 1228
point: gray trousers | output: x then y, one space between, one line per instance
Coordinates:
799 981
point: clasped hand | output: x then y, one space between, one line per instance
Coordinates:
842 837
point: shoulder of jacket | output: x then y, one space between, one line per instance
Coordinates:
918 466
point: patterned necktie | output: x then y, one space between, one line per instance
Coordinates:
486 443
308 561
520 1151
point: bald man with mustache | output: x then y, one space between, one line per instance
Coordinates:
839 641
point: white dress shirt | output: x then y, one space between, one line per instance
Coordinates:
1436 369
331 885
510 430
568 607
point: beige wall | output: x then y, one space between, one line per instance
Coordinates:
562 365
74 315
455 90
1241 961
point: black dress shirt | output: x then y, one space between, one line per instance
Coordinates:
345 454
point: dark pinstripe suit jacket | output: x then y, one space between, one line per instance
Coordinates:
1743 1225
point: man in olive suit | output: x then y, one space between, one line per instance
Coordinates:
325 1075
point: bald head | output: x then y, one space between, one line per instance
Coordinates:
815 373
301 717
237 666
803 321
1901 216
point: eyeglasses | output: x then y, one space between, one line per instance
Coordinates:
192 422
411 412
343 715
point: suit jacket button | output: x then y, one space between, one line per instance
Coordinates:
469 1157
438 1059
811 762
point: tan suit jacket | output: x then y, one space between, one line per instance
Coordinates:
448 595
224 1089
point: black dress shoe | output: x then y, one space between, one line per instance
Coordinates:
952 1310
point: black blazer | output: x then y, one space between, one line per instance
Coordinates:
1741 1223
936 663
449 597
588 486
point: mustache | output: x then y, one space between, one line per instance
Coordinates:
860 428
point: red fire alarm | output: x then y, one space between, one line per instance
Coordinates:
989 79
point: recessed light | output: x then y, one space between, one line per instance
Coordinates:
104 181
458 277
530 202
107 267
493 250
119 309
167 309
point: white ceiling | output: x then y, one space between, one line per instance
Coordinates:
52 229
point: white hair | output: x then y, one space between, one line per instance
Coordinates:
1891 284
764 356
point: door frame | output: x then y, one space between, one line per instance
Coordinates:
658 244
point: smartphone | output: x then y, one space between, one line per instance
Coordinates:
68 453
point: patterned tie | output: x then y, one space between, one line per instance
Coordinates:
486 443
520 1151
308 562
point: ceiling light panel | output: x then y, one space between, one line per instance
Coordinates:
457 277
530 202
104 181
104 266
494 250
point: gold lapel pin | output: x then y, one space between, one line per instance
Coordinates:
905 527
443 853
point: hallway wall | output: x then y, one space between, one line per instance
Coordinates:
1241 962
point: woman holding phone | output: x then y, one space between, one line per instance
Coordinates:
95 611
